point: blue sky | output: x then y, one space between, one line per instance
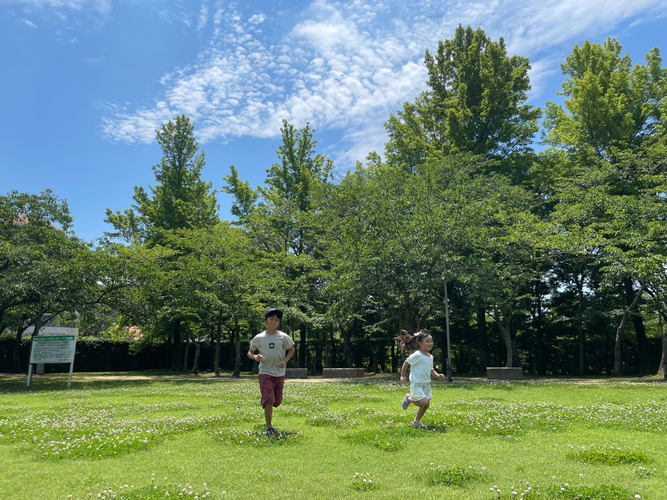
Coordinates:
86 82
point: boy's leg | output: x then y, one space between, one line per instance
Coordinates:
266 386
268 415
278 391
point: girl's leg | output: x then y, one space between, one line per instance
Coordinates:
423 405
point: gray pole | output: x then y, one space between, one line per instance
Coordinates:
664 348
449 354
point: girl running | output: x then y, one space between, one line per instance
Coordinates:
421 369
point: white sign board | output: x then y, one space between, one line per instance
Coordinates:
53 349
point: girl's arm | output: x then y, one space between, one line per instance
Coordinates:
404 369
441 376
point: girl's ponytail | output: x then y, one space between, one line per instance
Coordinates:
409 342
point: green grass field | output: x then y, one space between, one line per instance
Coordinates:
156 439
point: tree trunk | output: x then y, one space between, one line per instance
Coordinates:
218 338
443 343
38 319
382 353
346 346
374 358
516 361
16 361
302 346
662 369
195 365
580 323
664 357
318 352
187 351
482 342
327 346
640 331
176 353
38 323
505 330
167 355
619 332
394 359
237 349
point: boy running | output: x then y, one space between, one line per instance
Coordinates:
271 344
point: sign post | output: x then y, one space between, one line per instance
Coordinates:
48 349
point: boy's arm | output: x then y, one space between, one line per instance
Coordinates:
252 355
404 369
437 375
290 353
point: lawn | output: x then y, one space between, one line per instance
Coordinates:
152 438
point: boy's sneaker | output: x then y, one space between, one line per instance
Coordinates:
417 425
270 431
406 401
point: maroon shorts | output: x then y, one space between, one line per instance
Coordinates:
272 390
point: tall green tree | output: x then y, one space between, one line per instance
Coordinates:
181 200
280 218
609 126
475 104
225 277
609 103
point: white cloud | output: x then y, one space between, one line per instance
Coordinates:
541 73
98 5
347 65
203 17
82 16
257 19
28 23
69 4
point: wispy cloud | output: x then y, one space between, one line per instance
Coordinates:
28 23
347 65
257 19
203 17
69 4
97 5
79 15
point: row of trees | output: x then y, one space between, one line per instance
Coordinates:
543 259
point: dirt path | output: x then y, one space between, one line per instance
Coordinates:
388 377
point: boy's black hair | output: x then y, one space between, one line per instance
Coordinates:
273 312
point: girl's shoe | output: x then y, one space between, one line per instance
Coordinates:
417 425
270 431
406 401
